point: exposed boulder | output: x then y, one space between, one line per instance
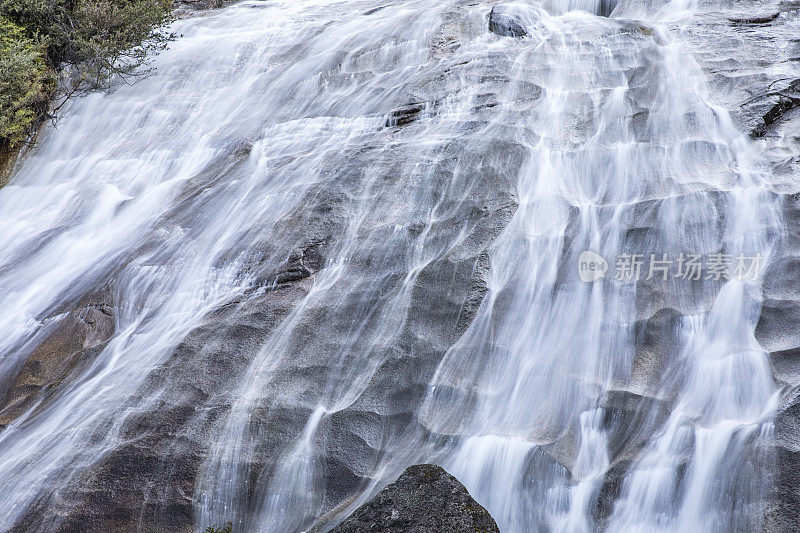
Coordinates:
504 21
424 498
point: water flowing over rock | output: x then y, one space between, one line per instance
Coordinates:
425 499
331 239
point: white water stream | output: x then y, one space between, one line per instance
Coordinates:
603 133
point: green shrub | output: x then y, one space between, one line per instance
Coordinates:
87 42
113 37
26 83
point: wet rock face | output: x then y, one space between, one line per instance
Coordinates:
424 499
68 348
749 52
164 442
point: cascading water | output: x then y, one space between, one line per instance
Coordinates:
377 212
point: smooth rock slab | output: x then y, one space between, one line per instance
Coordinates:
424 499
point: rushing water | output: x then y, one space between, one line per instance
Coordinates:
562 405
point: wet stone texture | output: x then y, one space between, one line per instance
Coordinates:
385 228
751 52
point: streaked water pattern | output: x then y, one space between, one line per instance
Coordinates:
603 133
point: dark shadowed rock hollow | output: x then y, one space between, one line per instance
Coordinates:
424 499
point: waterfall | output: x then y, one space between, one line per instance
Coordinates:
330 239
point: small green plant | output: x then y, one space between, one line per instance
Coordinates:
227 528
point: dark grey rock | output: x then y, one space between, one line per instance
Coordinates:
424 499
502 22
405 114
